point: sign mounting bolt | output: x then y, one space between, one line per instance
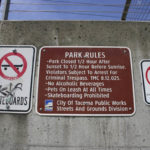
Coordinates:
15 51
125 51
7 107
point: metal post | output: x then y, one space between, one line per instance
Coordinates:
5 10
125 11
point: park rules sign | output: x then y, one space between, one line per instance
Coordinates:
16 78
85 81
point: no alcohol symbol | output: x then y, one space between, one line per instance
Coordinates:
12 65
148 75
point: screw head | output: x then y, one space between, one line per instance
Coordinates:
125 51
7 107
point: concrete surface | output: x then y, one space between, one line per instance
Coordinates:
33 132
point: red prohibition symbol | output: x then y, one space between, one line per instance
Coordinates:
11 64
148 78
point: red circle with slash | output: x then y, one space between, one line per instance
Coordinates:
147 75
10 63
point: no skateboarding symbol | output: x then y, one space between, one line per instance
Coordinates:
12 65
145 69
17 67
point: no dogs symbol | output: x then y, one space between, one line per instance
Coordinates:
12 66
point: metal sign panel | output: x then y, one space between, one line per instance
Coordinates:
145 69
85 81
16 78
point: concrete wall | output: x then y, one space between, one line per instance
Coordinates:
32 132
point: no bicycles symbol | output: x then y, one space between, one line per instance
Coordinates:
148 75
12 65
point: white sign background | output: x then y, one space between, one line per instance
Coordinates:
145 64
17 100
